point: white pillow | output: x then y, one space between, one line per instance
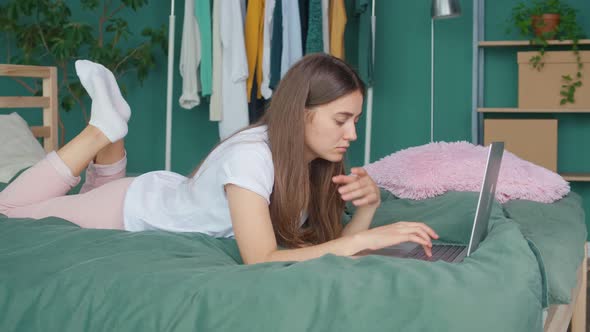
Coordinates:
18 147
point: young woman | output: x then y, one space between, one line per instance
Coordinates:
279 182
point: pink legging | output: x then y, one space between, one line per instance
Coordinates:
41 191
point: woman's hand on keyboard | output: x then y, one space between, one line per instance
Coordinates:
399 232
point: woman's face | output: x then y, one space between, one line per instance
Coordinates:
330 128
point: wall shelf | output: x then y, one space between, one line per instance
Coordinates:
504 43
532 110
577 177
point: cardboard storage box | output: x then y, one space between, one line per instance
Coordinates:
534 140
541 89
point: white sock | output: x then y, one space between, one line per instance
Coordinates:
104 114
85 68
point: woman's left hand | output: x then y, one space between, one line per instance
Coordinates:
358 188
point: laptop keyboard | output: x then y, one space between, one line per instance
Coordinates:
446 253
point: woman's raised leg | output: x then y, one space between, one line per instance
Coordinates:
109 165
32 194
109 113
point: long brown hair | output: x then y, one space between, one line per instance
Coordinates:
315 80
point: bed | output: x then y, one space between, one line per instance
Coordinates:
20 146
56 276
48 102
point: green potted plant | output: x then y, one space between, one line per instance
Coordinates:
45 33
544 20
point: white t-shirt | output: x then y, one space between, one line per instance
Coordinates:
172 202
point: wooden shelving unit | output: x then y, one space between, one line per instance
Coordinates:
505 43
531 110
571 177
480 112
577 177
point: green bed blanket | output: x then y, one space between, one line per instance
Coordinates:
55 276
555 232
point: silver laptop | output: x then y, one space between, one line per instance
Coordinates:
456 253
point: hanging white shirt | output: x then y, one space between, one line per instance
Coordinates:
215 105
292 48
235 67
269 7
169 201
190 57
326 25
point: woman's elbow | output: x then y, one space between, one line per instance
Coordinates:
258 259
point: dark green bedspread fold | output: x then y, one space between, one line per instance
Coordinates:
558 231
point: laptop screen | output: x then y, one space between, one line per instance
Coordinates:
486 196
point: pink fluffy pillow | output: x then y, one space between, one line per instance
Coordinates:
433 169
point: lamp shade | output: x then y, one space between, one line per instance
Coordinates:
445 9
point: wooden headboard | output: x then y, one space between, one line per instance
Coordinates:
48 102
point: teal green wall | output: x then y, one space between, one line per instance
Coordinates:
401 109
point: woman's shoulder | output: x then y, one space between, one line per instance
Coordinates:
250 140
248 146
245 150
256 133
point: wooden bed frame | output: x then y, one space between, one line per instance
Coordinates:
558 316
48 102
